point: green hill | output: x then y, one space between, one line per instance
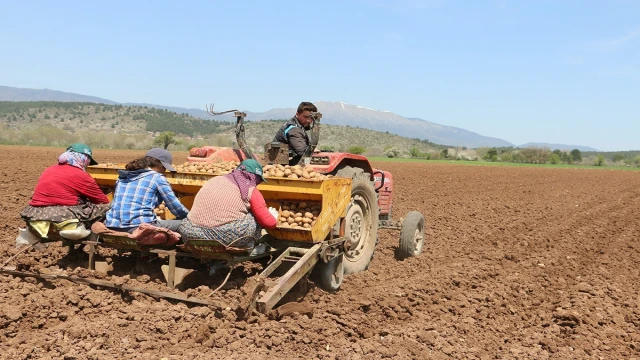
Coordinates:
49 123
73 116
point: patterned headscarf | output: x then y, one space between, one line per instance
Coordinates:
81 161
244 181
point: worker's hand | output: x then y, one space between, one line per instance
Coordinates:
273 212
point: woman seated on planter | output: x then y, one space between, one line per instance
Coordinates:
230 209
140 188
66 193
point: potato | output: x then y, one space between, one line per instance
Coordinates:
306 225
285 213
298 214
279 173
302 205
286 207
287 172
308 215
293 176
297 172
282 219
306 220
285 225
306 175
290 220
298 219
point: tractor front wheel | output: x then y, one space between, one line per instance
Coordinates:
411 235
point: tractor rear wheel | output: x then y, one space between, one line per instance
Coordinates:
361 228
411 235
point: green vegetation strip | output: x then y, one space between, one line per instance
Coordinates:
490 163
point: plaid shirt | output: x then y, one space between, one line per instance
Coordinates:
137 194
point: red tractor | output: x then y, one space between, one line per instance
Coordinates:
371 191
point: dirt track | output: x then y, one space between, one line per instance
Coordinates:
519 263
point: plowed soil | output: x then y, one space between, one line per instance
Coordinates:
519 263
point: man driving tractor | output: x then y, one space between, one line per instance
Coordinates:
293 132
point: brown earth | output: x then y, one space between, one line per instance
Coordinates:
519 262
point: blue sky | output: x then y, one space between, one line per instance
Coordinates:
557 71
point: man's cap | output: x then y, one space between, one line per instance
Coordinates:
164 156
83 149
254 167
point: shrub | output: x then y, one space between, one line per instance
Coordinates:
576 155
491 154
392 152
414 152
165 139
506 157
599 160
356 150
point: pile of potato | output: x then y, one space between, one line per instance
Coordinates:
217 168
292 172
298 215
270 171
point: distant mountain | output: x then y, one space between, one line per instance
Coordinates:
339 113
19 94
557 146
336 113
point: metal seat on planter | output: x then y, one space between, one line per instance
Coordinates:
149 237
207 249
